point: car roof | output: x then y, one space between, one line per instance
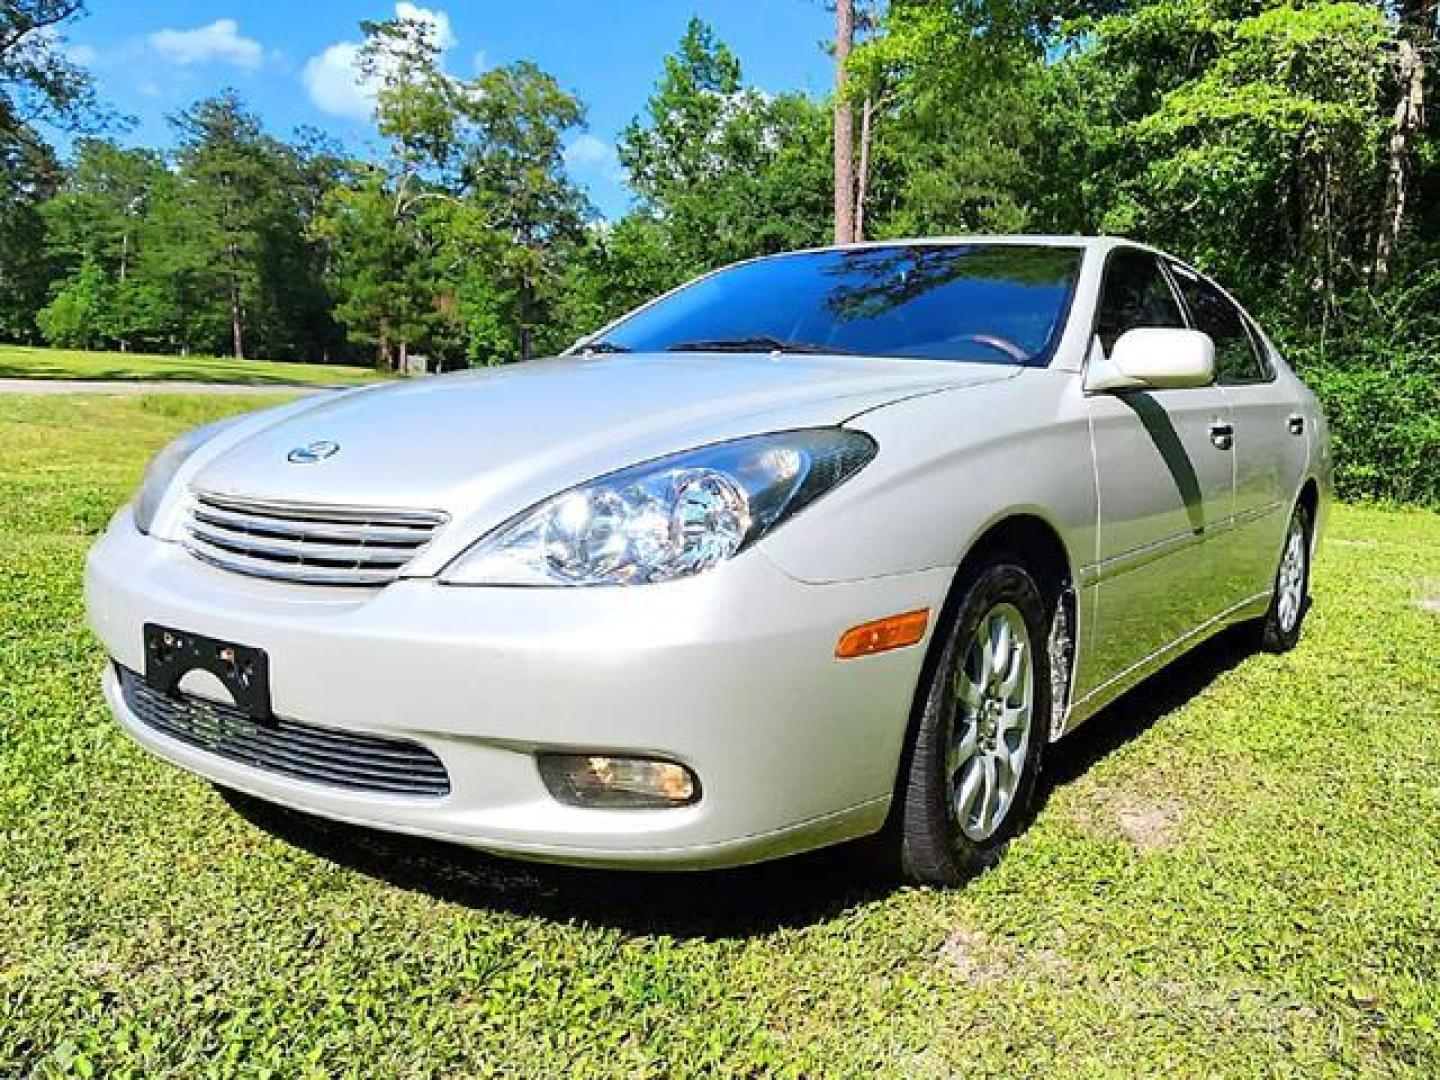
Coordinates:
1096 243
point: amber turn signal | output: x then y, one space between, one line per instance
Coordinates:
891 632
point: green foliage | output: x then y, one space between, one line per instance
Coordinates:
29 174
1232 875
1377 373
1258 140
731 172
457 246
38 80
74 317
1255 140
1264 164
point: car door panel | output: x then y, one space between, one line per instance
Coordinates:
1165 492
1164 483
1269 461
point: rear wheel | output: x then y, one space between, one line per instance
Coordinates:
972 769
1280 629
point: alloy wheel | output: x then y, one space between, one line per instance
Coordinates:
1290 585
990 738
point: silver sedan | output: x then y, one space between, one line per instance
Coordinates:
822 545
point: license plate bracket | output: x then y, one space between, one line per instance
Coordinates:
243 670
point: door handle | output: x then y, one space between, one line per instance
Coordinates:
1296 424
1222 434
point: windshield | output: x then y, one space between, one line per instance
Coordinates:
997 303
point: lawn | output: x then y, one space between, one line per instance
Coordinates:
1236 873
24 362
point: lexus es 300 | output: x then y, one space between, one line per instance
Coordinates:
822 545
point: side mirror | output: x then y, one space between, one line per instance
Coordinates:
1154 358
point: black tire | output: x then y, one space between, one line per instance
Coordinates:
933 847
1279 630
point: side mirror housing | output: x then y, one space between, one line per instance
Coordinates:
1154 358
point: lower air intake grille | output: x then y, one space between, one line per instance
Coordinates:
321 755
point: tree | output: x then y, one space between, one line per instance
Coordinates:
529 214
1417 37
729 171
378 265
93 225
955 87
29 174
228 165
38 82
845 207
461 241
74 318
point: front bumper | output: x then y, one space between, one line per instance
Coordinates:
731 672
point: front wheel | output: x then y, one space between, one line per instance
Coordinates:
976 753
1280 629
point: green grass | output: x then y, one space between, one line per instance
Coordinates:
1236 873
24 362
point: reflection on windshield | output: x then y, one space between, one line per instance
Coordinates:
998 303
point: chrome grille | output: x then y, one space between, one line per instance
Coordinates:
316 545
343 759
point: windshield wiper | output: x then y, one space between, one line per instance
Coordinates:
757 343
604 347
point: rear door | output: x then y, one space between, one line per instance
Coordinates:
1270 439
1165 477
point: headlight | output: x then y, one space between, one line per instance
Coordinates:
165 464
668 518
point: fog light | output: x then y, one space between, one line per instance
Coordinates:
617 782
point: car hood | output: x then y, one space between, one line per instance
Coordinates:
484 445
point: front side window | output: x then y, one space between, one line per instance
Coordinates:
1135 296
994 303
1236 358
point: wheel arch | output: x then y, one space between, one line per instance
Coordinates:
1309 497
1042 551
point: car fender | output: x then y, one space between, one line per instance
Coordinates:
950 466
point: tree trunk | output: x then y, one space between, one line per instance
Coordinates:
237 318
124 269
844 126
862 176
1409 115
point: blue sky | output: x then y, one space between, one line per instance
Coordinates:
291 60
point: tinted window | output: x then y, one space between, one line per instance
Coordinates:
1135 295
1236 360
999 303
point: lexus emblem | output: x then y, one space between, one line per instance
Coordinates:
310 453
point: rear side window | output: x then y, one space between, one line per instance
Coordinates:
1237 359
1135 295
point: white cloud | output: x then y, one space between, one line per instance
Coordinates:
221 42
337 85
595 165
588 152
437 21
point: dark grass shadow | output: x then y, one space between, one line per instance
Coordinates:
1137 710
799 891
711 904
177 371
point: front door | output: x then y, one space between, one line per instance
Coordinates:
1164 464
